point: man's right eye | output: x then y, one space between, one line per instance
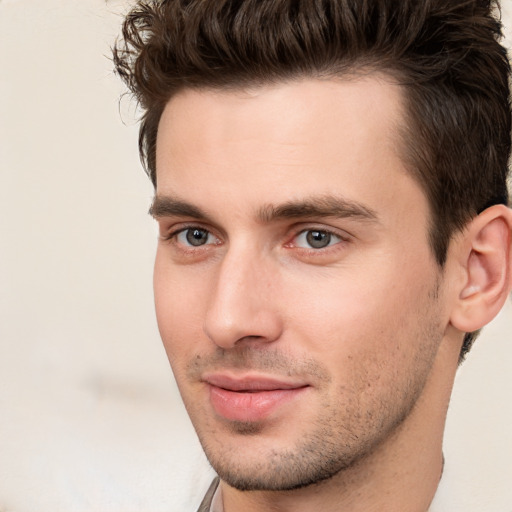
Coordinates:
195 237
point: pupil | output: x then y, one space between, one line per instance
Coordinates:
197 236
318 239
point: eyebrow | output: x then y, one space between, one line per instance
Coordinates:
167 206
321 206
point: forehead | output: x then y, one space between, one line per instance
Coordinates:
298 112
281 142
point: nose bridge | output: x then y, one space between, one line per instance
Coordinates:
241 305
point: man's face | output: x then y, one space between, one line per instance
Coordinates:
296 294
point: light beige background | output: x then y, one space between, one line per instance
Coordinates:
90 419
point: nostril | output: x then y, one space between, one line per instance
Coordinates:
230 330
241 309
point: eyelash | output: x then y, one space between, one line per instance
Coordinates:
173 237
324 232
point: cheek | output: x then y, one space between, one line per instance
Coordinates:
364 317
179 309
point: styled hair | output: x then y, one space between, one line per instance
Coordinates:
445 53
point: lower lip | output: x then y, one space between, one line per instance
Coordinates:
240 406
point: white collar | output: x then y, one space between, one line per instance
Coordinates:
217 504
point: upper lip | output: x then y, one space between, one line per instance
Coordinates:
250 383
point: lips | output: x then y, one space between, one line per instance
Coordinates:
250 398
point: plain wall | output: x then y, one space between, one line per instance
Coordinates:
90 417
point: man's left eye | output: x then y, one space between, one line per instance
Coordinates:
316 239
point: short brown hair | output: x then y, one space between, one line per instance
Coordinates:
446 53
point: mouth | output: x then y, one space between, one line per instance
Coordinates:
250 398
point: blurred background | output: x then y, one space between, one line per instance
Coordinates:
90 418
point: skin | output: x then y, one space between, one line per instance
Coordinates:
362 324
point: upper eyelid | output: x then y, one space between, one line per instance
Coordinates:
332 231
341 233
177 230
328 231
174 228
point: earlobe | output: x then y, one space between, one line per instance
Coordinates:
487 269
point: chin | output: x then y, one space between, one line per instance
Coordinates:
272 469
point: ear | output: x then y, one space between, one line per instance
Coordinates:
486 258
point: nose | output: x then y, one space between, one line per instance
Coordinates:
242 306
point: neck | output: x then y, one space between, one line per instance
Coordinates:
401 474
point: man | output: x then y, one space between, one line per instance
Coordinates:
330 189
